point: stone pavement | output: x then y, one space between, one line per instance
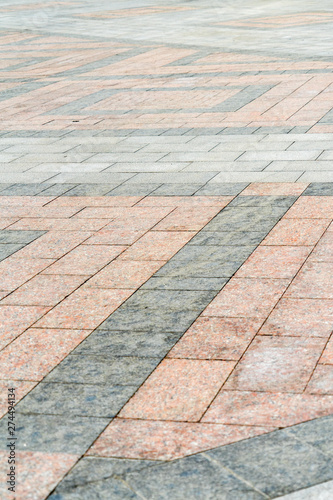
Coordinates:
166 249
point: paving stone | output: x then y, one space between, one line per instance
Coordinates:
114 178
125 371
322 491
76 400
177 189
35 433
238 130
153 310
181 283
56 189
24 237
279 202
245 219
99 476
226 238
23 190
89 190
318 189
195 477
206 262
174 178
7 249
133 190
4 186
316 433
101 490
139 344
229 189
221 268
275 464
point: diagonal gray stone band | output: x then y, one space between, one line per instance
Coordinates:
79 398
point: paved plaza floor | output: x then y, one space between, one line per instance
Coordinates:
166 249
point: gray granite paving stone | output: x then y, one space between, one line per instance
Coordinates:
159 310
91 369
176 131
317 433
4 186
79 400
241 219
56 189
276 463
273 130
195 478
216 268
100 478
133 190
108 489
7 249
318 189
181 283
226 238
13 236
279 202
210 254
24 189
89 190
95 469
139 344
54 433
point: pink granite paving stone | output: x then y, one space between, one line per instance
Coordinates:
85 260
86 308
178 390
327 357
16 271
21 388
128 274
187 219
37 351
14 320
272 364
216 338
315 281
40 473
312 207
44 290
300 317
299 232
53 244
158 440
324 249
244 298
321 381
266 408
274 262
157 245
